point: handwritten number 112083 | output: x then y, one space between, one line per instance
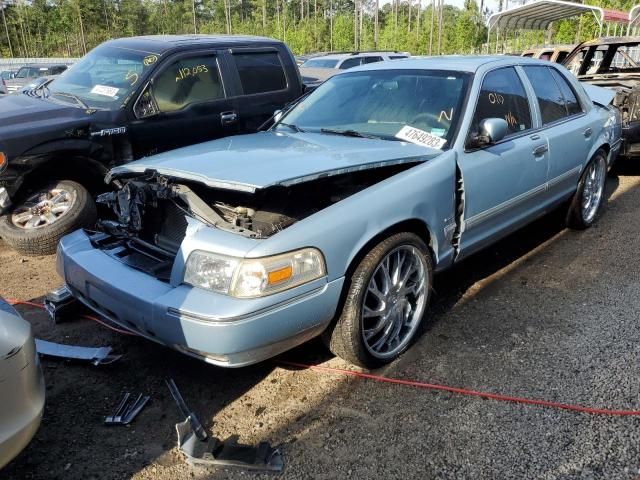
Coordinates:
191 72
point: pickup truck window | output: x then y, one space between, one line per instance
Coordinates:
503 96
186 81
260 72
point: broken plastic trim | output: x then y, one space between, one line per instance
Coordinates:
97 355
202 450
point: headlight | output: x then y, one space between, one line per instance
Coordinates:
253 277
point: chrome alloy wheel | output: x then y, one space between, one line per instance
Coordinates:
394 302
594 180
43 208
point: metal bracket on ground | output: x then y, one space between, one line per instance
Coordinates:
202 450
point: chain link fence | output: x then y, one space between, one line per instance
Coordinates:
15 63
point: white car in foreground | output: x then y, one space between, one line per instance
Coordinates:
21 384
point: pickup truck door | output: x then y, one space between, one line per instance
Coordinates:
192 101
268 79
503 183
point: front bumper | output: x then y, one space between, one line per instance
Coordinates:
217 328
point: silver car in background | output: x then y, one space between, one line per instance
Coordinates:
22 388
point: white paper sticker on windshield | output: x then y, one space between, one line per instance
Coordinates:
420 137
105 90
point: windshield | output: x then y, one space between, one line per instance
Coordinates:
103 78
381 102
320 63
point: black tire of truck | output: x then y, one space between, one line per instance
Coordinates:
43 240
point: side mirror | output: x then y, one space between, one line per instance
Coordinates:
490 130
277 115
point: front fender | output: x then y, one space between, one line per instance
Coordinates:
424 193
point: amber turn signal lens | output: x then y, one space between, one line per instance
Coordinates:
3 160
280 275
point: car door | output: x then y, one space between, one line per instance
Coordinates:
503 182
567 128
188 100
263 84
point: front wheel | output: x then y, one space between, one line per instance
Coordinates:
388 294
588 198
35 226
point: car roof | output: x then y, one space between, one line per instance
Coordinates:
340 56
159 44
610 41
461 63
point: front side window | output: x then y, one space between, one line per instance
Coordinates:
561 56
260 72
380 103
502 95
545 56
397 57
549 96
350 63
186 81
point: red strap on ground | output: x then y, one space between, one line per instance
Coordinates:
463 391
406 383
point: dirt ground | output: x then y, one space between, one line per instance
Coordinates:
547 313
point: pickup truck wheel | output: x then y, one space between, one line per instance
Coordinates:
35 226
385 304
587 200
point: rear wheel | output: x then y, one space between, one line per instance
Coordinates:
588 198
388 294
35 225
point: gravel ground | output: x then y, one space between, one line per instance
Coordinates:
547 313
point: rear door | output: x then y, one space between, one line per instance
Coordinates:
187 101
566 125
264 83
504 182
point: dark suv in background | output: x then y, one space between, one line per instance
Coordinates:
126 99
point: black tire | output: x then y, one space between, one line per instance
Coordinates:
345 337
43 240
576 218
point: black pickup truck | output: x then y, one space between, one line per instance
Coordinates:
126 99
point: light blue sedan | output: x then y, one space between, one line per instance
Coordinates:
334 221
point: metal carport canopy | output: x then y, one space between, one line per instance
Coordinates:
538 15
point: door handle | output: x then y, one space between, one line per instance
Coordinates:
587 133
228 118
540 150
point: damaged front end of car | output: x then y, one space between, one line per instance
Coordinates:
148 214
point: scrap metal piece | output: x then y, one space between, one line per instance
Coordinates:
97 355
127 410
202 450
60 304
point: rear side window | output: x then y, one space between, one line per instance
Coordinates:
570 99
372 59
397 57
561 57
545 56
187 81
503 96
260 72
350 63
550 98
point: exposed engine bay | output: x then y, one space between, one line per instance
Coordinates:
152 210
